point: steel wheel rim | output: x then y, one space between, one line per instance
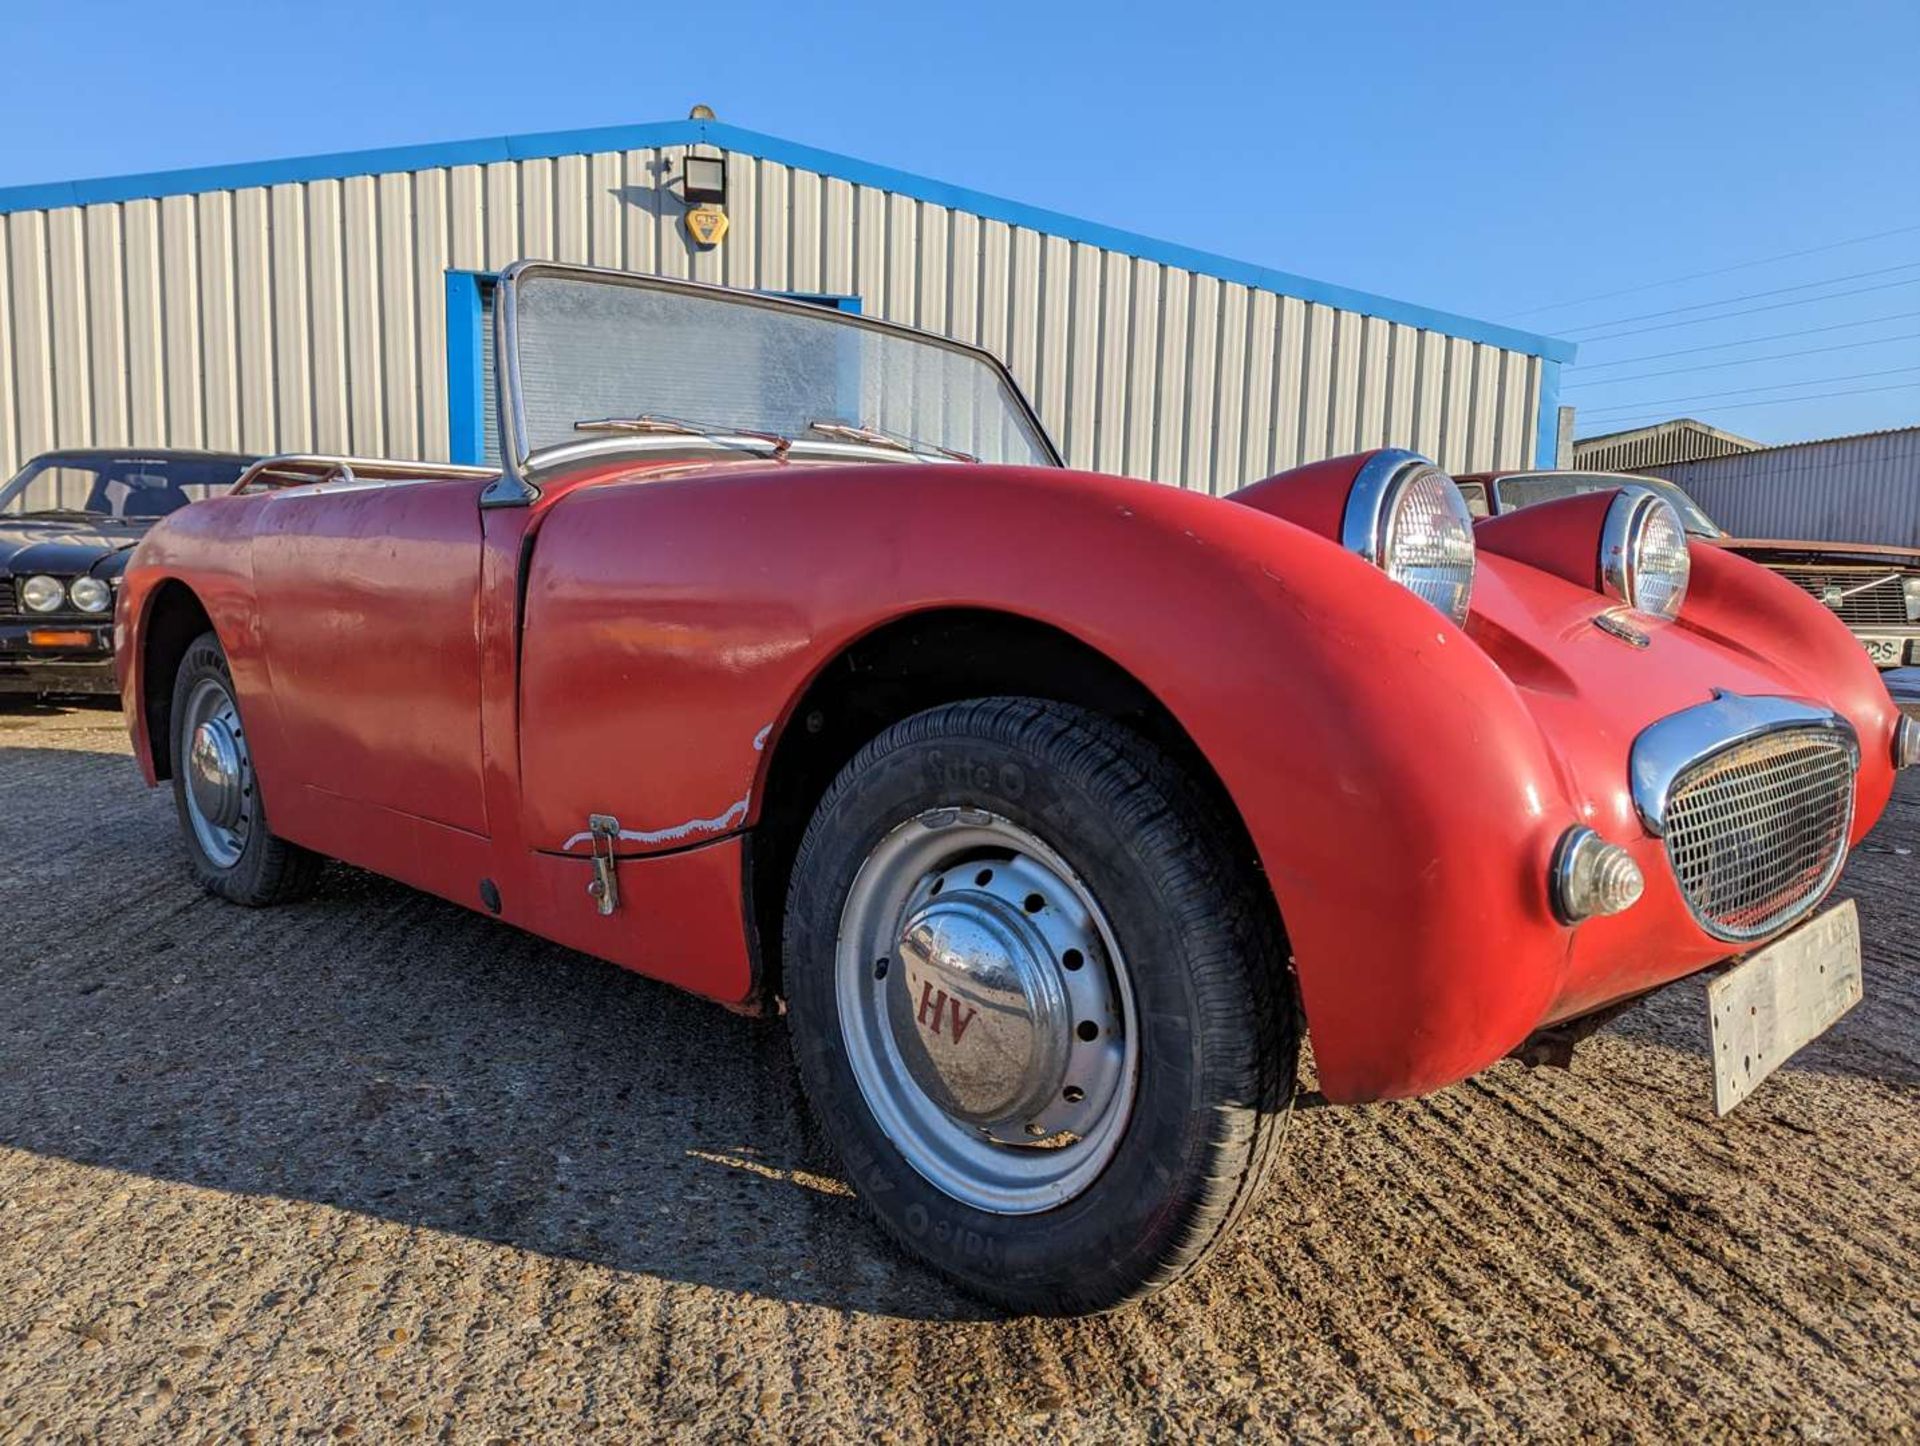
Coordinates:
218 769
1019 1095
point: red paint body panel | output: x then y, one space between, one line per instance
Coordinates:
1403 780
368 599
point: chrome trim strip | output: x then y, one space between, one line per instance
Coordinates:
518 485
1664 750
1361 524
332 467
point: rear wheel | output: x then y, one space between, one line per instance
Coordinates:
1039 1002
232 851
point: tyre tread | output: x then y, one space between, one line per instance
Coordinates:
1237 960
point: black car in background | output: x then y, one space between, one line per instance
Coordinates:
68 521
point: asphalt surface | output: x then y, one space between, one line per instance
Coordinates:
374 1166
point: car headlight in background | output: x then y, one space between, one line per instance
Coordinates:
1910 585
1406 517
1644 561
42 594
90 595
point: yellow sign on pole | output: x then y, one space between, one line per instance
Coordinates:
707 225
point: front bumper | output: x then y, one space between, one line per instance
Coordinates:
78 660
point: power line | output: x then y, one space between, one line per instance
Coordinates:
1627 361
1746 391
1717 271
1623 422
1753 310
1745 296
1744 361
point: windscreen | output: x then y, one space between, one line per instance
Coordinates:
590 350
1527 489
129 486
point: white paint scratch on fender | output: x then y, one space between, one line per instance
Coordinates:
693 827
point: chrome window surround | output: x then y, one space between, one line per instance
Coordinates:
1626 520
518 486
1688 514
1666 749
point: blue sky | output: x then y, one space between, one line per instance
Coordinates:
1493 159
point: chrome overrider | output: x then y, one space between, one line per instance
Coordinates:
1666 749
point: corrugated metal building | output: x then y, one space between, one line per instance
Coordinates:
1863 488
1681 440
335 303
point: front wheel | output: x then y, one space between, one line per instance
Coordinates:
217 795
1039 1002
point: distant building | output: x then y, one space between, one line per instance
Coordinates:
1681 440
339 303
1862 488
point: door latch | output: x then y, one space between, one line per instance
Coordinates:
605 885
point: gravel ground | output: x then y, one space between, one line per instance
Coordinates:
373 1166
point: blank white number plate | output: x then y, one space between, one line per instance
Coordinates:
1773 1002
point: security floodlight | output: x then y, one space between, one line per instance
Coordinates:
704 182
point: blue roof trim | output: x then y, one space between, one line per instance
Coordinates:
735 138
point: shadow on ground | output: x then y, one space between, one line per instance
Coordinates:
381 1051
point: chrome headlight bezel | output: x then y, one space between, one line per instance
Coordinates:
90 595
1637 556
42 594
1375 525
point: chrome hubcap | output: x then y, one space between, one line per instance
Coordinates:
219 773
213 765
986 1011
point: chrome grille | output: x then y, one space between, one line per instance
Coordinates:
1757 832
1879 603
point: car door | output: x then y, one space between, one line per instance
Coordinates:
368 595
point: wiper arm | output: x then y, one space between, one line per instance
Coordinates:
51 512
897 441
680 426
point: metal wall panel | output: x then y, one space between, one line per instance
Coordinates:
1849 489
310 315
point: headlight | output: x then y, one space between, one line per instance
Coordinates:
1910 584
42 594
1644 561
1406 517
90 595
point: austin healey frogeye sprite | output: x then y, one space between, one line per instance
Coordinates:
782 661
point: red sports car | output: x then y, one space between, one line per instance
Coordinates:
783 661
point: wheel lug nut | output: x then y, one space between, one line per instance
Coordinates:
1073 1094
1035 1129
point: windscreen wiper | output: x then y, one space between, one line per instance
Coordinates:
878 437
680 426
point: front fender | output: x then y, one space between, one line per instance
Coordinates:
1401 797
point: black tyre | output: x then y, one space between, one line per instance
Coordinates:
231 849
1039 1001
